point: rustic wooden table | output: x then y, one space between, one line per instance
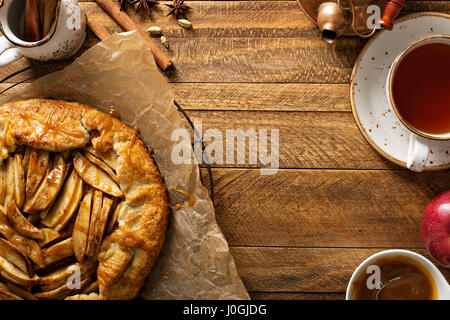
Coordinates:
260 64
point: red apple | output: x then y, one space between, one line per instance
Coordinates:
435 228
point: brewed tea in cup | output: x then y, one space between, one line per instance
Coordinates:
419 92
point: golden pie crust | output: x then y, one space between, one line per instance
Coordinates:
72 132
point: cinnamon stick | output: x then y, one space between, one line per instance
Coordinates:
113 9
49 15
31 27
41 8
97 28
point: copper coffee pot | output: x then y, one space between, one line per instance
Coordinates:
349 17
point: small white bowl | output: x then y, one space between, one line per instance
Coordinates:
442 285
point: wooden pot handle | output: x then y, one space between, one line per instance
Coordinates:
391 10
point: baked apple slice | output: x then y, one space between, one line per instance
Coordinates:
112 223
63 291
96 213
20 223
47 191
2 182
15 256
59 277
3 286
14 274
20 292
99 163
92 288
95 176
19 180
37 168
26 159
58 251
101 222
110 157
28 246
66 204
7 295
81 228
48 236
10 188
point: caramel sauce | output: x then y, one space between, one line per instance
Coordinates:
27 121
52 123
408 280
129 159
4 138
11 235
132 142
163 275
113 112
7 130
127 238
191 200
105 127
55 175
3 187
109 272
5 230
84 166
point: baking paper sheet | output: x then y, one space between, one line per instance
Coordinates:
195 262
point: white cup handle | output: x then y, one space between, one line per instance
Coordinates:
8 53
418 152
5 44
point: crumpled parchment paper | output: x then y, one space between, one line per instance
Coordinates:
195 262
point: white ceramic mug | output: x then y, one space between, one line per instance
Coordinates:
419 141
442 286
64 38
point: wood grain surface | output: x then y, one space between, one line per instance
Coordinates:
300 233
308 139
324 208
306 270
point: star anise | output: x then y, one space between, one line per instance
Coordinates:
142 4
178 8
122 3
146 5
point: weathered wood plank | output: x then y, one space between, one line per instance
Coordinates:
230 43
264 97
324 208
310 270
306 139
221 19
258 96
249 60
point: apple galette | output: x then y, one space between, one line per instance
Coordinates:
83 208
